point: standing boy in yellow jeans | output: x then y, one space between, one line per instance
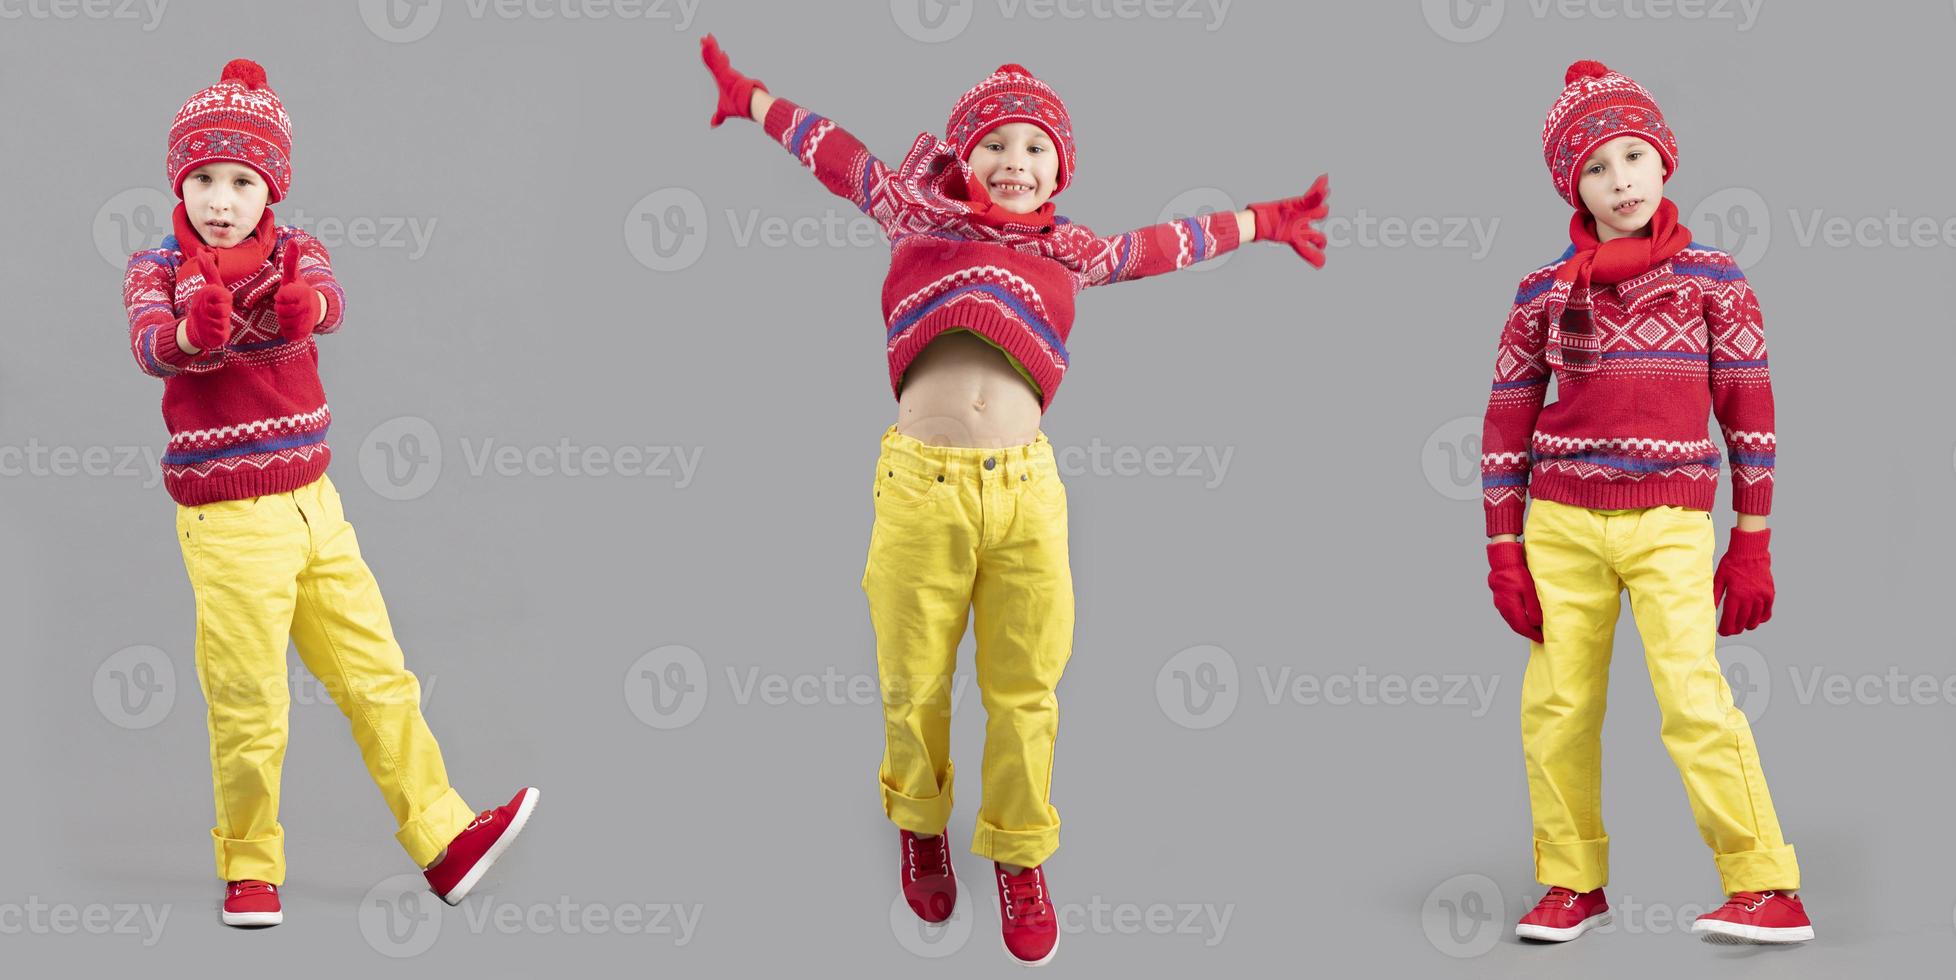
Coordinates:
224 311
1645 332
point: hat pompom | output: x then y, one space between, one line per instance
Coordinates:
244 70
1012 69
1583 69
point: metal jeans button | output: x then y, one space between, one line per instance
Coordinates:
990 462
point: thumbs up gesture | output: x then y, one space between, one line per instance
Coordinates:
209 323
297 305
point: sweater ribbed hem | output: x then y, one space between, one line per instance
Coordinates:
986 321
1624 494
192 491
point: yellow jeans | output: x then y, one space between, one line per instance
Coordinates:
979 532
287 565
1582 560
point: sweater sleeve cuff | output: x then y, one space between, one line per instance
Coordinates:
1224 233
335 306
779 113
1505 517
1752 498
163 344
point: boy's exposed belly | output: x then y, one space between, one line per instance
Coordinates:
964 391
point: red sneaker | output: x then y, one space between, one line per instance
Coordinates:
930 884
1756 917
1026 919
1563 915
479 845
250 902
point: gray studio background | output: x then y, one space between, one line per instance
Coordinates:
544 247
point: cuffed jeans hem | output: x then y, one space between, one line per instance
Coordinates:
1025 848
1578 865
261 858
920 814
427 832
1762 870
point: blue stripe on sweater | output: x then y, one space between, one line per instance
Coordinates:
1630 465
1523 383
148 346
1025 315
1201 244
801 133
266 444
1669 354
1739 364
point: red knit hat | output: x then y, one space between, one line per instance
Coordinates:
239 120
1598 105
1012 95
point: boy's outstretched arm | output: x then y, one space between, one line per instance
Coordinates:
837 158
1178 244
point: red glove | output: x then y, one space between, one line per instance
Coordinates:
736 89
1514 588
1289 221
1744 582
295 303
209 324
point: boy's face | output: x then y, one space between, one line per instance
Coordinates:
224 202
1621 184
1019 165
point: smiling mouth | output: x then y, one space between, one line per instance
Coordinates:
1629 206
1011 188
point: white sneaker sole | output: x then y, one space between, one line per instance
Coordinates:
461 889
1549 934
253 918
1736 934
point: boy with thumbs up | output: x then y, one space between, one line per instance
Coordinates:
225 311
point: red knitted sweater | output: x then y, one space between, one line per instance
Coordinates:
1011 283
248 418
1680 341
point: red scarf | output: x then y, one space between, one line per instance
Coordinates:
1573 340
957 182
235 263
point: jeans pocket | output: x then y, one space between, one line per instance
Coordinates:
903 489
220 511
